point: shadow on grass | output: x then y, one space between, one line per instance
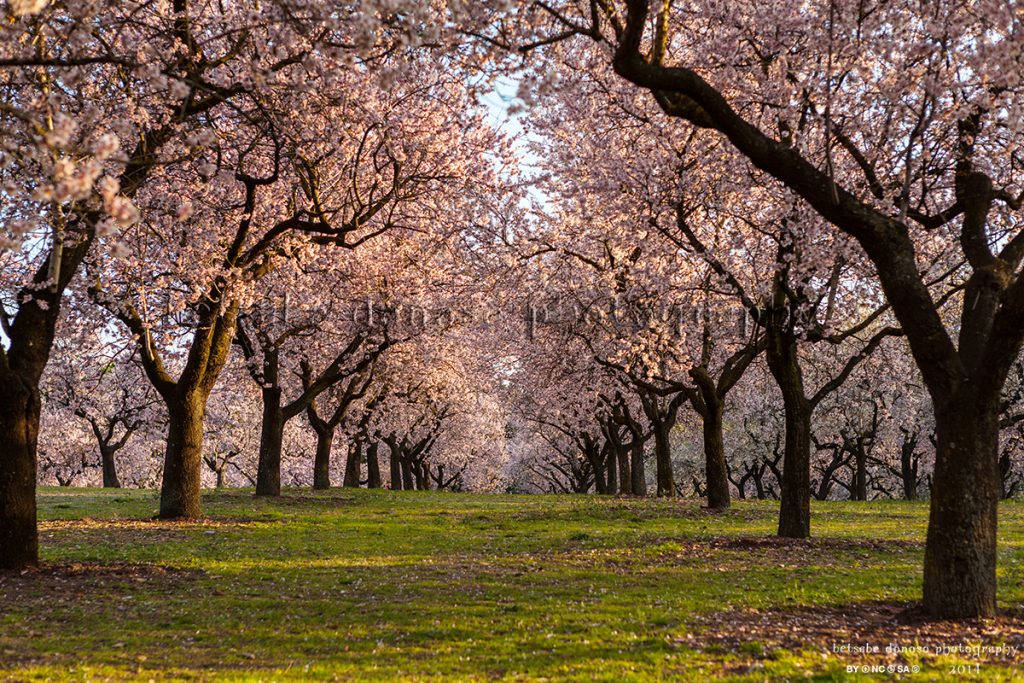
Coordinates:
869 633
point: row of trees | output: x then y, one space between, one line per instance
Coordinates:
826 196
176 166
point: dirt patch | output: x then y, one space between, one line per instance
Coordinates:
85 574
769 543
748 552
850 634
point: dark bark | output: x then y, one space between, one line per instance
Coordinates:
325 428
183 458
353 466
372 466
625 476
19 432
592 451
396 468
103 428
218 463
611 463
784 364
110 480
741 483
909 461
717 477
636 470
322 459
422 473
268 470
860 472
663 461
186 396
795 506
408 483
1008 480
960 552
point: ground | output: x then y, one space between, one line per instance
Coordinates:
374 585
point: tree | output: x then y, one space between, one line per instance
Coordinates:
264 338
100 383
343 397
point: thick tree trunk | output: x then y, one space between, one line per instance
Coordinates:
322 459
663 460
183 459
636 470
110 480
19 432
372 467
960 554
352 467
715 472
268 471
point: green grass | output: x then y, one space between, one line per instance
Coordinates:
367 585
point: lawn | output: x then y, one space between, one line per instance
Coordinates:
353 584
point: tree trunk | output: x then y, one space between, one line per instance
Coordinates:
784 364
183 458
714 456
636 470
908 468
396 471
19 432
268 471
407 480
960 553
372 467
611 465
355 454
795 508
110 480
592 452
860 476
663 460
625 480
322 460
220 476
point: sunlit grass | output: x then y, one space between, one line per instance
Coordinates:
378 585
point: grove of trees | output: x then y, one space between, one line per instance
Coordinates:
720 250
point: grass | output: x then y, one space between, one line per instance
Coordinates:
373 585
